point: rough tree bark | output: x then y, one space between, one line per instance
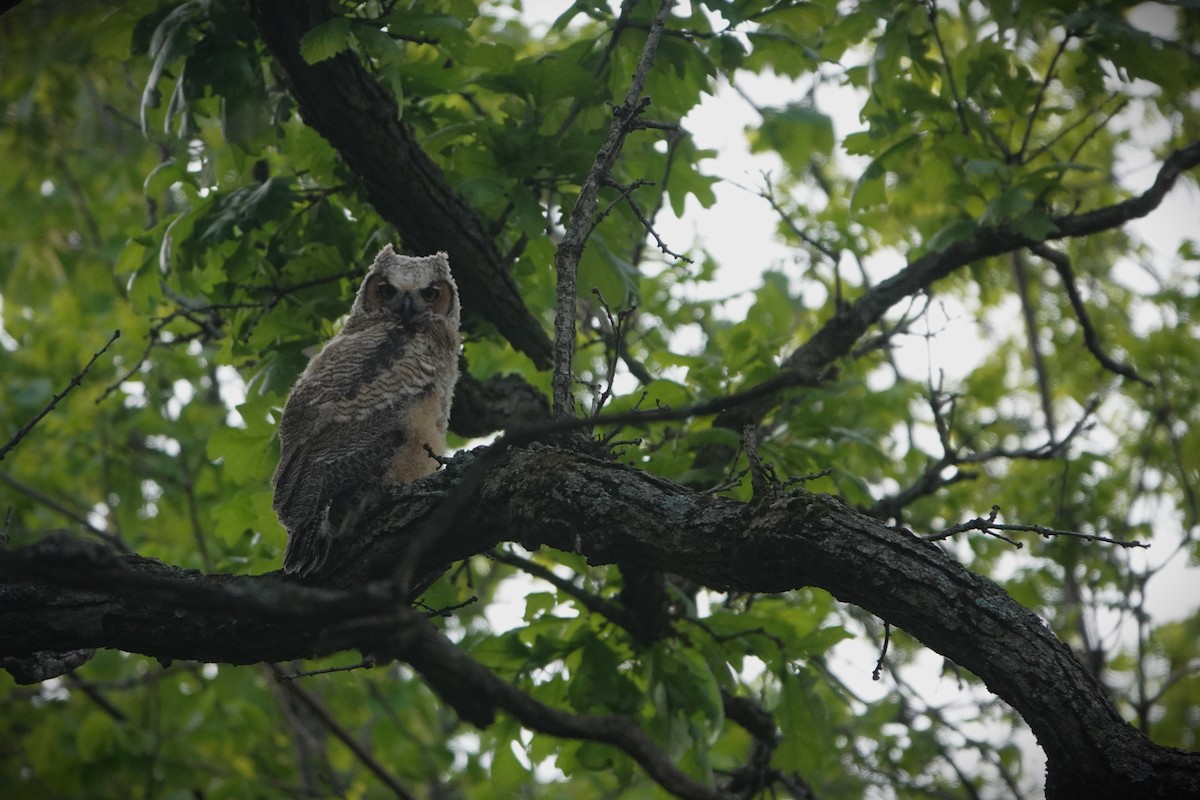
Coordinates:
63 595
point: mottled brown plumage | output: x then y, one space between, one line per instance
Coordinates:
367 404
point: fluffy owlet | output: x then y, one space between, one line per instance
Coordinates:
368 403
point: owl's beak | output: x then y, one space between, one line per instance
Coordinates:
405 307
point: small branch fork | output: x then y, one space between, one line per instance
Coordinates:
991 528
764 480
647 223
943 406
579 226
54 401
617 326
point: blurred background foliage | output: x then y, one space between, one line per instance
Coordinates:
156 178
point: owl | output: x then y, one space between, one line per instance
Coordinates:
368 403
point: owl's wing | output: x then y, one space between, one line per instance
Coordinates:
341 427
325 470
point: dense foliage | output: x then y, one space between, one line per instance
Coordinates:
159 176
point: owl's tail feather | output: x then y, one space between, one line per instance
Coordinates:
307 550
298 501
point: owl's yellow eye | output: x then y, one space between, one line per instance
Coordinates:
430 293
385 291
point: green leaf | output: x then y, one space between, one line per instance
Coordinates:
97 736
508 773
326 40
248 453
537 604
870 189
798 133
804 722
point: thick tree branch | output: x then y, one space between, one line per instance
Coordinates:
837 336
340 100
250 618
64 598
482 407
1116 215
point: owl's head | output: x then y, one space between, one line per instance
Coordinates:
408 289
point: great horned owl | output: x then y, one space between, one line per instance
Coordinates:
368 403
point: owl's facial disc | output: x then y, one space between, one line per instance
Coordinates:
438 297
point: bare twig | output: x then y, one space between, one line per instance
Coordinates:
1062 264
960 106
579 226
1029 316
283 677
675 135
615 345
152 340
1066 130
626 195
1041 95
590 601
768 194
990 527
333 726
49 502
887 639
446 611
54 401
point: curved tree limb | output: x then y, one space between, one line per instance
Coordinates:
1091 339
70 597
344 103
837 337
